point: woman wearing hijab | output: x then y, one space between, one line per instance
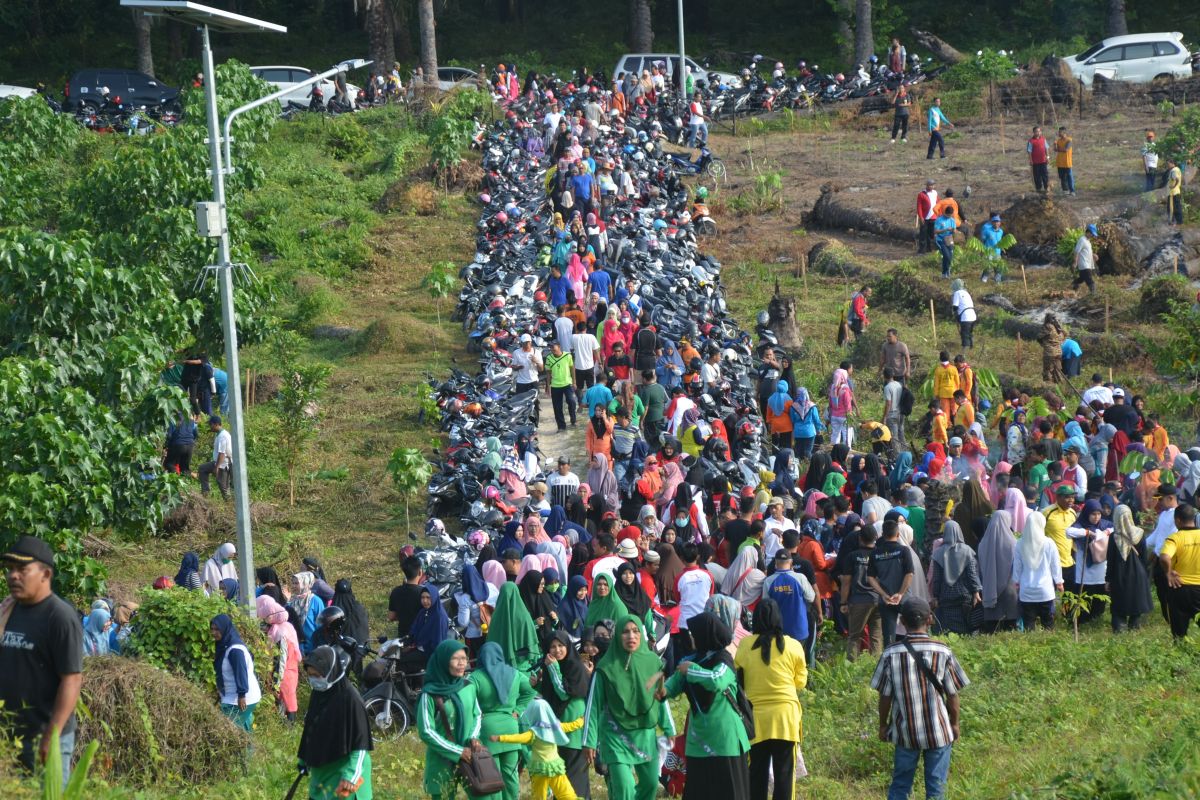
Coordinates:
743 581
1017 508
624 711
286 669
728 611
537 602
998 484
219 567
1089 538
975 505
559 524
670 567
672 480
335 746
835 483
955 578
533 531
307 607
604 605
716 738
1037 573
95 633
573 608
189 572
431 626
475 599
1000 607
632 595
448 719
494 574
901 470
806 423
513 629
772 670
229 588
669 367
564 684
1128 581
784 483
313 565
602 481
234 669
503 693
356 627
778 416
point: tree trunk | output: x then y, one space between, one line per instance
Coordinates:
864 33
174 41
828 212
1116 25
428 28
782 313
641 31
399 17
844 9
943 51
145 55
380 47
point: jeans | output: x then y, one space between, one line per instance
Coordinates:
560 396
66 748
925 237
936 140
521 388
1066 179
900 125
966 333
888 617
837 431
222 475
697 133
803 446
946 248
895 425
1041 177
904 769
1043 612
620 467
1175 208
1151 179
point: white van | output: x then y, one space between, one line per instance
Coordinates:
636 62
1137 58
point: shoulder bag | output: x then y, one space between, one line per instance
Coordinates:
925 669
480 773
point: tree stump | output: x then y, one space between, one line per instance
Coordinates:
782 313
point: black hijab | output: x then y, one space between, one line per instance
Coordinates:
839 454
711 636
314 566
632 595
575 509
575 677
538 603
768 624
488 553
818 465
336 724
356 615
267 576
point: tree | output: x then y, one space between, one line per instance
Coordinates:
298 401
440 281
410 472
141 29
864 35
381 47
428 30
1115 24
641 31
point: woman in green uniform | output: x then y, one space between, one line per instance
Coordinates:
716 737
604 605
564 682
624 709
503 694
335 747
448 719
512 628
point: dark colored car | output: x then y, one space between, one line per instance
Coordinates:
134 88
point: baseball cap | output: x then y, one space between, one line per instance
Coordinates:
1092 230
915 606
1066 490
652 557
783 555
525 337
1118 392
627 549
1164 490
995 217
29 549
930 182
564 459
955 440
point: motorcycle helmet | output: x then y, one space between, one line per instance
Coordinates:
407 551
332 619
763 318
491 493
434 527
485 198
502 218
839 77
772 375
778 65
747 428
477 539
695 364
701 192
473 409
660 224
801 64
656 126
497 302
539 297
874 59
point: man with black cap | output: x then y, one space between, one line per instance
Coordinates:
918 680
41 655
563 482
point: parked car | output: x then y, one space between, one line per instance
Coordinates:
285 77
8 90
134 88
450 77
636 62
1137 58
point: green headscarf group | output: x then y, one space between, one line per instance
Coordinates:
439 682
492 459
834 482
607 607
630 681
512 628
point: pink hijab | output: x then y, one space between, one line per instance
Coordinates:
810 506
672 478
534 532
276 617
1003 468
1014 504
528 564
493 573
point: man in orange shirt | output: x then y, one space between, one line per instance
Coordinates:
964 410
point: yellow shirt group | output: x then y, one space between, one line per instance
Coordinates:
1063 150
1183 548
1057 522
945 381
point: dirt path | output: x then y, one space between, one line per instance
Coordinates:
553 443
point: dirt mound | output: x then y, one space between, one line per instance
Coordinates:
831 257
266 387
153 725
1038 220
197 518
376 338
1115 256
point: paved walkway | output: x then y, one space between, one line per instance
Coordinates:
554 443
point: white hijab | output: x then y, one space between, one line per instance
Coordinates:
1033 543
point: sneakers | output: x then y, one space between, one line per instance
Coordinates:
984 278
904 139
893 141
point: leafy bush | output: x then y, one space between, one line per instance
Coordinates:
346 140
984 66
1162 293
1182 138
1066 245
171 631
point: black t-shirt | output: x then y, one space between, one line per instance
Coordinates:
405 602
645 344
41 643
1124 418
889 564
855 569
736 531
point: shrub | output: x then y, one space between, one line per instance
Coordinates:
1182 138
376 338
986 65
346 140
156 728
172 632
1159 292
1066 245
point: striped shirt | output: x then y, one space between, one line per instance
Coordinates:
920 720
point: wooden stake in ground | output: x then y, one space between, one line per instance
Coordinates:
1019 343
804 274
1106 304
933 322
1025 281
1002 132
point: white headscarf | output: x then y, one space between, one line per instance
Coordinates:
1033 542
743 580
1126 534
216 570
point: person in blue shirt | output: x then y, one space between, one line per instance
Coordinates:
562 250
935 120
943 237
581 187
600 282
558 285
1072 357
597 395
990 233
222 379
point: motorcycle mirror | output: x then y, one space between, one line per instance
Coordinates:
412 536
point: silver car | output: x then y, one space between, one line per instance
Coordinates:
1137 58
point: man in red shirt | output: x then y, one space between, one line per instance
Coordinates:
1039 160
926 216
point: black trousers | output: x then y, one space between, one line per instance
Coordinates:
1041 177
1031 612
1184 605
584 378
966 332
179 455
1084 276
577 771
936 140
925 239
900 125
773 756
560 396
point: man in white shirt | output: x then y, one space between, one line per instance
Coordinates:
1098 391
222 460
550 123
696 121
527 364
1074 472
1165 526
586 351
775 523
694 586
1084 264
563 483
710 372
874 507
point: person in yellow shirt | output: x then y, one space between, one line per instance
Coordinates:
964 410
1064 151
945 383
938 423
1179 558
544 734
1059 517
1174 193
1156 438
966 376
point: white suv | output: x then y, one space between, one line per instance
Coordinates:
285 77
636 62
1137 58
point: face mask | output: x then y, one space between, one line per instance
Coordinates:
552 587
318 684
226 560
681 522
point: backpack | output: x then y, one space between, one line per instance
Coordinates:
851 315
906 401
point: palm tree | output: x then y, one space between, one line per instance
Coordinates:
380 45
864 34
428 29
141 29
641 34
1116 25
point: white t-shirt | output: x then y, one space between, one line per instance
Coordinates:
223 444
964 306
695 586
564 330
710 374
1083 254
526 364
697 117
879 507
583 348
1101 393
891 395
1162 529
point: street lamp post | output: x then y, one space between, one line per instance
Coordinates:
683 69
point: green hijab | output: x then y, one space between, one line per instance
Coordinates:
492 458
602 608
491 663
440 683
630 680
834 482
512 628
